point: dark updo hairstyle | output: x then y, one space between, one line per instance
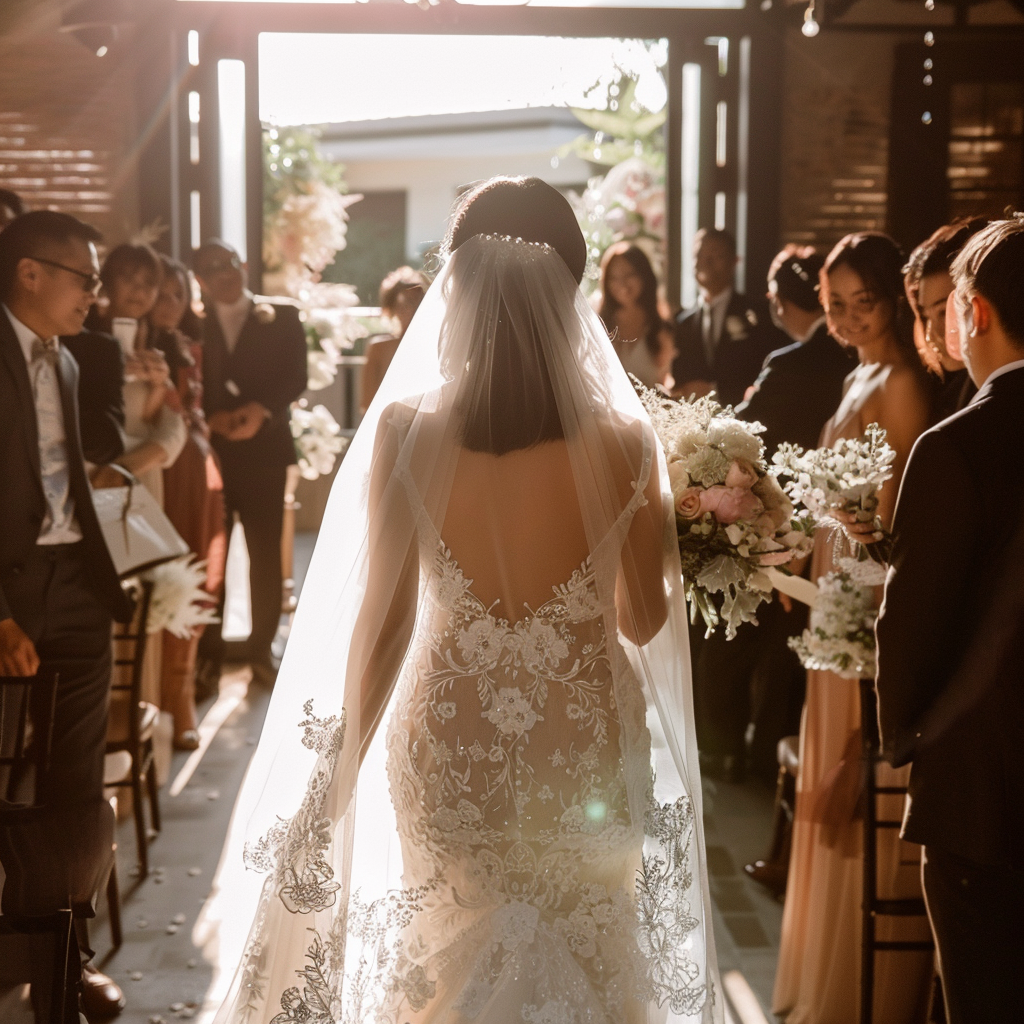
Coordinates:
398 281
521 410
935 255
648 301
878 261
795 273
525 208
127 259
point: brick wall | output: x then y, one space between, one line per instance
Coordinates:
67 129
835 135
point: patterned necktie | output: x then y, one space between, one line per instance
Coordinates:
46 350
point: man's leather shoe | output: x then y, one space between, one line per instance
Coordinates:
769 874
101 996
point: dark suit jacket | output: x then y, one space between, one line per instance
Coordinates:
22 504
268 365
951 630
798 389
100 394
748 335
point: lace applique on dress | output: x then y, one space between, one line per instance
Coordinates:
514 753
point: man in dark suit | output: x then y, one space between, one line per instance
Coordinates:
100 395
254 367
798 389
58 587
721 342
951 644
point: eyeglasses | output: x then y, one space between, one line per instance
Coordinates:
90 282
218 266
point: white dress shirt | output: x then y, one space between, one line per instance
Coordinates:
59 525
1017 364
232 317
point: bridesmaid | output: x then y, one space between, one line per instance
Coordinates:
193 491
641 336
928 284
818 974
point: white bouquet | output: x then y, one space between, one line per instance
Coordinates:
840 637
845 477
318 440
179 603
734 519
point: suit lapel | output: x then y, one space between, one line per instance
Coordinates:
246 336
15 359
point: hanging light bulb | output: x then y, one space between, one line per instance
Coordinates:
810 27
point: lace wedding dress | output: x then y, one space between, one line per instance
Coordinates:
526 845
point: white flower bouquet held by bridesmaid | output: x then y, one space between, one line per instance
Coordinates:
179 603
734 519
845 478
840 637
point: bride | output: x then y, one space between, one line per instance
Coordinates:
476 796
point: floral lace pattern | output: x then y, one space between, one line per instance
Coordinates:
519 766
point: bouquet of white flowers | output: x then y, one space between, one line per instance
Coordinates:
318 440
840 637
179 603
845 477
734 519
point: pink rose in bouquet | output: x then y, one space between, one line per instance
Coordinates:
730 504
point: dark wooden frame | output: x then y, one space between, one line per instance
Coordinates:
232 30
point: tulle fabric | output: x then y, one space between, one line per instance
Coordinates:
320 881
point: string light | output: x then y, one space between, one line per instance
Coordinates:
810 27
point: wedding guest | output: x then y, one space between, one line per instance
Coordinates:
928 284
401 293
722 342
193 489
11 206
154 428
818 977
629 308
58 587
798 389
254 367
951 645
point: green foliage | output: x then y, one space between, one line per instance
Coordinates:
624 128
291 163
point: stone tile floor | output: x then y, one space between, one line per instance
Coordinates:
165 976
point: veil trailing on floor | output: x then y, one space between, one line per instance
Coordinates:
315 900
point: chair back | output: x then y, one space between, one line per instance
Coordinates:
26 731
126 681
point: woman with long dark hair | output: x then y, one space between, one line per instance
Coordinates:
629 309
193 490
818 977
491 648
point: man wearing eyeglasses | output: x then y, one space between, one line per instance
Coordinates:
58 587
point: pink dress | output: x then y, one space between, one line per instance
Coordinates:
818 977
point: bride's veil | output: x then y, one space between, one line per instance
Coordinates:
503 354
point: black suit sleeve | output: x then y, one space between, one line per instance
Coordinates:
100 395
288 378
928 575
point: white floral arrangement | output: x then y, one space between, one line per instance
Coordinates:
318 439
733 518
626 203
840 637
179 603
845 477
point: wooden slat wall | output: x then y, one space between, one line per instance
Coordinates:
835 136
67 130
